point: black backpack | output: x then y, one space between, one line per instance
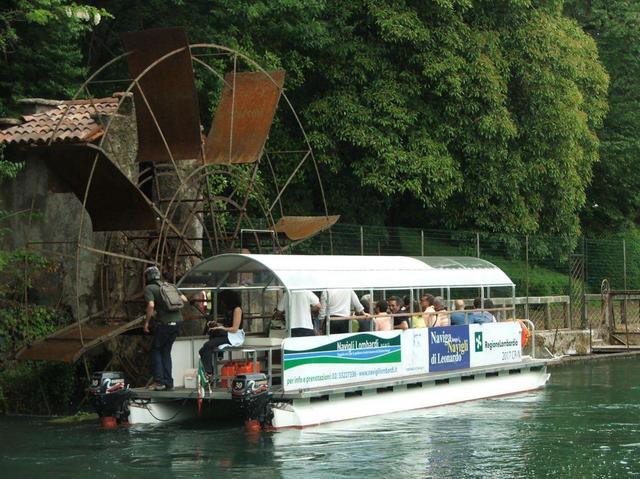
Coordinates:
171 296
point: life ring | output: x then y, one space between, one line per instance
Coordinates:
524 332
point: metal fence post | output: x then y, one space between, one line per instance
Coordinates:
478 245
624 263
421 242
362 241
586 264
624 282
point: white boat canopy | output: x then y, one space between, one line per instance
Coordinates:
314 272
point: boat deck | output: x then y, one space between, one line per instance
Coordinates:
444 376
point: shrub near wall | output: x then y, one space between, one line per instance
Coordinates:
37 387
32 387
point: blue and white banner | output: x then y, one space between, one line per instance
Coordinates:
448 348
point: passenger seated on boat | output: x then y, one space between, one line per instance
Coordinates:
482 316
417 321
302 302
365 324
400 322
406 304
458 317
337 303
428 311
442 316
381 321
229 333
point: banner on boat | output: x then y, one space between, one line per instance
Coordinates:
448 348
495 343
322 361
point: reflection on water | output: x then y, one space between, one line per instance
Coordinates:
586 423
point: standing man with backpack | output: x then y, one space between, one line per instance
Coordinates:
165 300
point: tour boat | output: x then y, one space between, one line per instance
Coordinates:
279 381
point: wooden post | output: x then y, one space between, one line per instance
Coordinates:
547 315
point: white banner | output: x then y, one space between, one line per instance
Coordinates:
321 361
415 351
495 343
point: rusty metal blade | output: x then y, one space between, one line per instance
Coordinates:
114 202
243 120
170 91
65 344
303 227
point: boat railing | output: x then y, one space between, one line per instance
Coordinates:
410 315
469 312
367 317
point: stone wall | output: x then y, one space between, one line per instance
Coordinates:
563 341
47 220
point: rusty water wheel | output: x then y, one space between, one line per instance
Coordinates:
200 207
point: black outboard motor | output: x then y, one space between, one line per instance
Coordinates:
250 392
109 394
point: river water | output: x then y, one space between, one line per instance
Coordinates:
585 423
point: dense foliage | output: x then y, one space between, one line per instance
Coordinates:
615 190
40 50
450 113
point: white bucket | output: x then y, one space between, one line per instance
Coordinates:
190 378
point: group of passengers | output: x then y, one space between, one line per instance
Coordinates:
337 305
432 312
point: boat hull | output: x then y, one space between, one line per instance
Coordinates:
333 406
160 410
340 407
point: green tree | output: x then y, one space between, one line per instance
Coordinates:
483 113
615 27
40 48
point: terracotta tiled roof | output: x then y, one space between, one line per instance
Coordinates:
80 124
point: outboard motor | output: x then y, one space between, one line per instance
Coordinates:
110 395
251 393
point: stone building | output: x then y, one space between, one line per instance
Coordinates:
49 141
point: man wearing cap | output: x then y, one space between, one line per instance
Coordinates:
165 329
